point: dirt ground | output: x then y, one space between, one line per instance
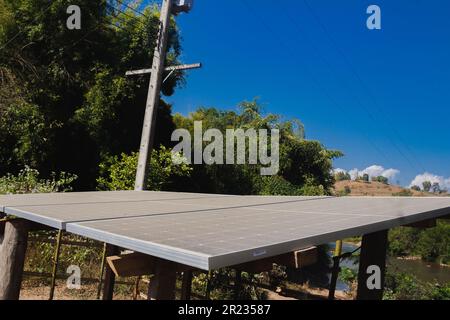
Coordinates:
360 188
39 290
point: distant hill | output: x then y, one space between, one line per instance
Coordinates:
361 188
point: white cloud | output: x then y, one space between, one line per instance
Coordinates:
354 173
421 178
372 171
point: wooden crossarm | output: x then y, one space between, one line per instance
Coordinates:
297 260
138 264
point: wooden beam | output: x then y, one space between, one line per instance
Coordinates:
110 278
12 258
163 283
297 260
138 264
172 68
184 67
426 224
131 265
373 255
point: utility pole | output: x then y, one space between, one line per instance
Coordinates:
153 98
151 108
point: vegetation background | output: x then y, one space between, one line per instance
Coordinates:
71 121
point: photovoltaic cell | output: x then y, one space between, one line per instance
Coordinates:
214 231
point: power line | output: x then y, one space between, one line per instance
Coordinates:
355 97
22 31
133 9
315 80
357 76
133 19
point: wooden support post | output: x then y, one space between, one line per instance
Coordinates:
163 283
2 227
110 278
208 288
334 277
12 258
55 263
136 288
372 266
186 286
237 284
102 271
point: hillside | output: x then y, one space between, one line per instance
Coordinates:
361 188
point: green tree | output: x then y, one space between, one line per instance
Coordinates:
65 103
119 172
427 186
381 179
305 165
436 188
434 243
404 286
342 176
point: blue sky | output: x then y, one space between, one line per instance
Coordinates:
380 96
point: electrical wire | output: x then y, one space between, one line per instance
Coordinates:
131 8
22 31
354 96
358 77
315 80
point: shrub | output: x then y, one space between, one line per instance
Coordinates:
119 172
434 243
28 181
403 286
403 193
402 241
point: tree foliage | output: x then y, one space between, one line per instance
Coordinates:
119 172
342 176
404 286
431 244
305 165
29 181
65 103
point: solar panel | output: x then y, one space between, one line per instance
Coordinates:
71 207
219 238
214 231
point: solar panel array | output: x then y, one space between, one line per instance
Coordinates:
214 231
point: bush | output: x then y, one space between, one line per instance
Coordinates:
403 286
119 172
342 176
381 179
403 193
432 245
402 241
28 181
